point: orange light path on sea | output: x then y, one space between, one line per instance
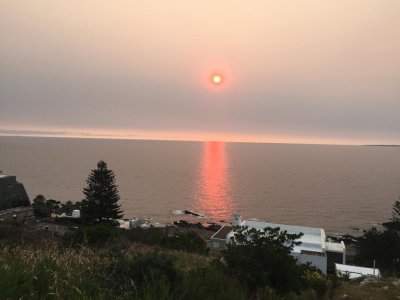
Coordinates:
213 192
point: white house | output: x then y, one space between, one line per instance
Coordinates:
314 247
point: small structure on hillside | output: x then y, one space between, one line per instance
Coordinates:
218 240
129 224
314 247
136 223
76 214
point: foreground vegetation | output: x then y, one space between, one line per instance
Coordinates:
95 259
101 261
143 264
382 246
122 267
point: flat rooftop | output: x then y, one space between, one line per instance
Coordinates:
313 239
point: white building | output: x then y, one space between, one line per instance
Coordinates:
354 272
314 247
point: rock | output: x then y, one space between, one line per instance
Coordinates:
396 282
189 212
181 223
385 288
367 280
345 296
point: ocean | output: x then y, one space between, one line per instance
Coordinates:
342 189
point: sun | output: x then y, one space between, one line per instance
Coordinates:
217 79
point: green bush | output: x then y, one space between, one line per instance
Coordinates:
14 278
150 236
43 207
313 279
212 282
134 275
98 234
189 242
157 290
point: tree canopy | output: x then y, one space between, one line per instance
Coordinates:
43 207
101 195
262 258
383 246
396 211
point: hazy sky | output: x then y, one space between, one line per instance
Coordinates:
294 71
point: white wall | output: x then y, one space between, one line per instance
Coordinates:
320 262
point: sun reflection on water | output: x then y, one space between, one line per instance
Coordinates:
213 193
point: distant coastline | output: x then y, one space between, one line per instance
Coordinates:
382 145
90 136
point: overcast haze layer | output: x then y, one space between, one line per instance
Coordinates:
294 71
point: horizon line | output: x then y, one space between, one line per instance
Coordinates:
137 138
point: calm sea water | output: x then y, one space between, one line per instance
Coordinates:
338 188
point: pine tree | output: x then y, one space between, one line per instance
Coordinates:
101 195
396 211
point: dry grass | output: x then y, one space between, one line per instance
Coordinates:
382 289
187 261
73 273
50 250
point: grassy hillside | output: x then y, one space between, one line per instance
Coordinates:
37 266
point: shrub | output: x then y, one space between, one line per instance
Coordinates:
382 246
92 235
313 279
150 236
43 207
133 275
14 278
189 242
211 282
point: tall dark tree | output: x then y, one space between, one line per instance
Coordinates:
101 195
381 246
396 211
394 223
